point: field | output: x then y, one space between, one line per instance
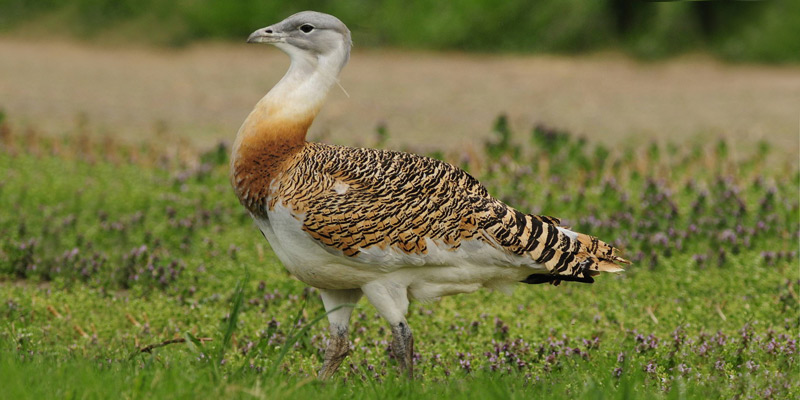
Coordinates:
111 248
427 101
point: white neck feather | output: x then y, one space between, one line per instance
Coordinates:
302 91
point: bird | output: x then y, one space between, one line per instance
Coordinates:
388 225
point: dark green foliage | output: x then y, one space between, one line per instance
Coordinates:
735 30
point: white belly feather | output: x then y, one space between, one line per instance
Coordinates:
440 272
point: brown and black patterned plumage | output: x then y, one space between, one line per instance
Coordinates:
352 199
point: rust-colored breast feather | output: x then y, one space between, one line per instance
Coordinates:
351 199
260 155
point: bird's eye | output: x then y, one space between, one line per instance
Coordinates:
306 28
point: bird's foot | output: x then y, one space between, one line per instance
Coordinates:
335 353
403 347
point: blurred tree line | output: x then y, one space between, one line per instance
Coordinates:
765 31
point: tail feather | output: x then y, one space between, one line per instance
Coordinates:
601 249
578 258
566 255
608 266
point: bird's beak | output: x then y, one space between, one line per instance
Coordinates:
267 35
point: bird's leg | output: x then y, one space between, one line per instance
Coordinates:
403 347
339 318
391 301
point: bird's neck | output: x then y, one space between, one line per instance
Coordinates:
284 114
276 129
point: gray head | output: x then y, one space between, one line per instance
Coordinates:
308 35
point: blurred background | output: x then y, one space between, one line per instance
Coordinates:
426 73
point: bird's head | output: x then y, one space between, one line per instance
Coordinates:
308 36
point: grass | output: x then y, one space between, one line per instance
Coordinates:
108 248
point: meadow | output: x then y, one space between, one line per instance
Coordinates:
131 271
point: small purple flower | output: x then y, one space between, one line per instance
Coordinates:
702 349
751 366
791 347
249 346
465 365
650 368
746 334
659 239
720 338
727 236
678 336
771 346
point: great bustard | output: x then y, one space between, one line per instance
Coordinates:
389 225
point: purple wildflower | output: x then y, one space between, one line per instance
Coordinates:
650 368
